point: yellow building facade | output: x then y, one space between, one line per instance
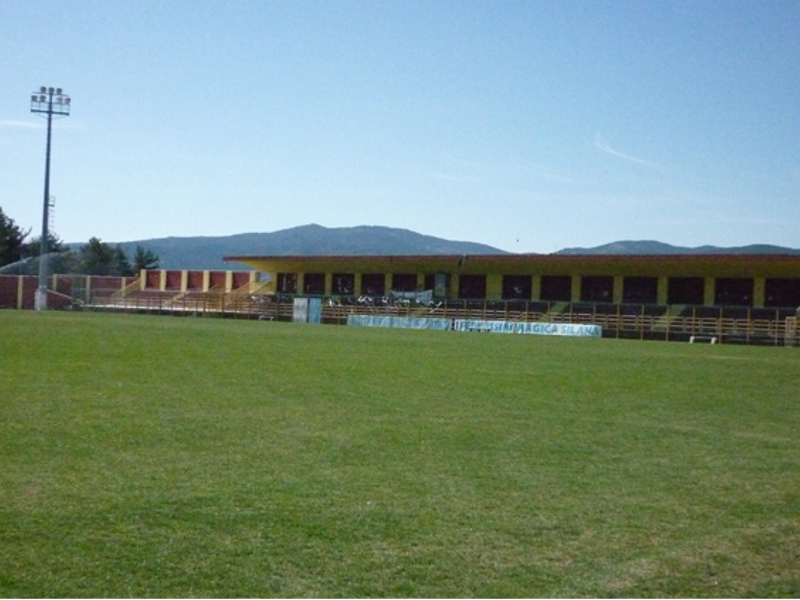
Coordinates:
704 280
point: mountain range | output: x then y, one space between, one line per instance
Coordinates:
647 247
206 253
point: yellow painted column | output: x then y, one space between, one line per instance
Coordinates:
184 280
494 286
328 284
454 284
228 281
162 280
576 288
387 283
142 279
20 290
206 280
357 284
420 282
708 291
616 291
662 290
301 283
536 287
759 291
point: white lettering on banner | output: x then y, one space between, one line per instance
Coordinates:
566 329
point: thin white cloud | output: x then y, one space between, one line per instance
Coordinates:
601 145
11 124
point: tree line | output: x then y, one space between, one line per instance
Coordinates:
93 258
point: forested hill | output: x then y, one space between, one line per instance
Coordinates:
205 253
201 253
648 247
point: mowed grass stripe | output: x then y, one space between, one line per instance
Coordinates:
158 456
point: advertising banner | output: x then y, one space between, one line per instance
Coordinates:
398 322
300 310
315 310
564 329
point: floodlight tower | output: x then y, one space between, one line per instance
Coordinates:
47 101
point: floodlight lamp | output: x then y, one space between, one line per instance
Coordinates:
58 91
42 90
50 90
66 100
34 98
42 98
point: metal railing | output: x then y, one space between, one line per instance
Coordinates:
742 325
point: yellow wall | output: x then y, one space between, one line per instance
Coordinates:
709 267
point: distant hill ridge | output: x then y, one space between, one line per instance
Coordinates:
205 253
649 247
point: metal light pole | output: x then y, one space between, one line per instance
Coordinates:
47 101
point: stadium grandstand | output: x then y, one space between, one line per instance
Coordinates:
725 298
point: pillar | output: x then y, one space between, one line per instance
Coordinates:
617 289
494 286
662 290
708 291
759 291
20 290
576 288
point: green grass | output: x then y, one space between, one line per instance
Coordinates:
176 457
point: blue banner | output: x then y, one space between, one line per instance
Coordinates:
398 322
566 329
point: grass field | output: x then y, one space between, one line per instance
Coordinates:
175 457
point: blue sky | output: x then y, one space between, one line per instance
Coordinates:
530 126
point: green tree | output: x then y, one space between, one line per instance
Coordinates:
32 248
12 239
122 266
60 258
97 258
65 262
144 259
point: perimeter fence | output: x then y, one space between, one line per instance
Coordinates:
725 324
740 325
